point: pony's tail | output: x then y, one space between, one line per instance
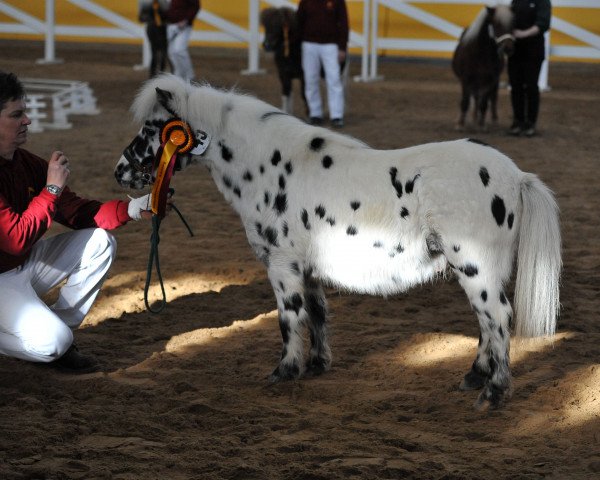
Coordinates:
539 261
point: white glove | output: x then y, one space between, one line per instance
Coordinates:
138 205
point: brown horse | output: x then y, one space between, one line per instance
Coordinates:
283 39
479 59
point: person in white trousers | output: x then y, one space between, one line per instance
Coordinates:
324 29
180 18
33 195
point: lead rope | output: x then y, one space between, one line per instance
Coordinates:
176 137
153 259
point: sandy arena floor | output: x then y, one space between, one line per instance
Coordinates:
184 393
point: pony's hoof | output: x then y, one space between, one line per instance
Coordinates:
473 380
284 372
492 397
316 366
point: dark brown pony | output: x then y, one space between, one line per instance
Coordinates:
283 39
479 59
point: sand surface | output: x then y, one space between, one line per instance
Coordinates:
184 393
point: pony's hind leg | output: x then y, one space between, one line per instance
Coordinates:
490 370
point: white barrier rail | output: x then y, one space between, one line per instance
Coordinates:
368 41
50 102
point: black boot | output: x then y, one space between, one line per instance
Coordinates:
75 362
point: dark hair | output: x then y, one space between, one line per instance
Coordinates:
11 88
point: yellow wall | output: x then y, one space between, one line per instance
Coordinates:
391 23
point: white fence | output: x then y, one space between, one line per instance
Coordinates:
50 102
369 41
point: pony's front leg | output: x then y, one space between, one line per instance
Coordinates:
319 359
464 107
291 307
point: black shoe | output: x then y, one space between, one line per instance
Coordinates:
529 131
316 121
75 362
337 122
515 129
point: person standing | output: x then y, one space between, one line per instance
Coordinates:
152 13
324 31
33 195
532 20
180 18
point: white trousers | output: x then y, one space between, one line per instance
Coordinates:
29 329
313 56
178 43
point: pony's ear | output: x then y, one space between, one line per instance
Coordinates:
164 97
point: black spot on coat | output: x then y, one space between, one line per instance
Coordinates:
327 161
498 210
280 203
317 143
395 183
288 168
410 185
477 141
320 211
276 158
331 221
470 270
281 182
404 212
293 302
355 205
226 153
304 217
248 176
351 230
510 220
271 236
485 176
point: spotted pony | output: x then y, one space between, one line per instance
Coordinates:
322 208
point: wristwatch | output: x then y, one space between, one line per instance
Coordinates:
54 189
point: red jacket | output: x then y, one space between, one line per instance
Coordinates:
324 21
27 209
180 10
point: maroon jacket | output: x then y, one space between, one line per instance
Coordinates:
27 209
324 21
183 10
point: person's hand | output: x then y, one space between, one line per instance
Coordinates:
341 56
58 170
139 208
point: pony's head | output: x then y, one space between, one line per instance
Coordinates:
161 107
501 19
492 23
280 27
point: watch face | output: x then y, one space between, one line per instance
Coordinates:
53 189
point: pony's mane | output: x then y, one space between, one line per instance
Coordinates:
504 16
145 100
472 31
190 100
